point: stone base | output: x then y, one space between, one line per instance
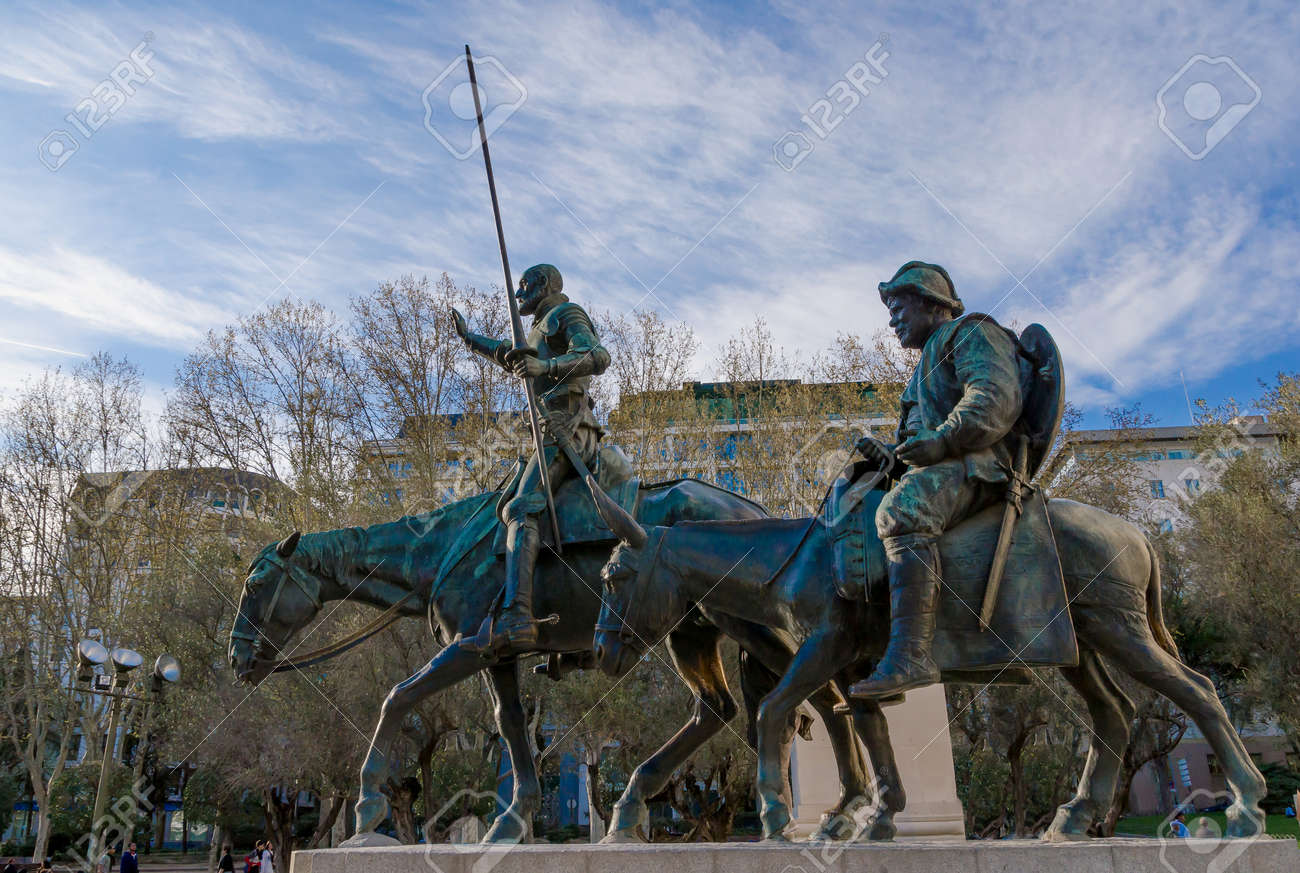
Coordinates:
923 750
1119 855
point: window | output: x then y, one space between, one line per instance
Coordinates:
1193 486
1179 455
1157 488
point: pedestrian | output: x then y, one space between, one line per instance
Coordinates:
11 867
253 863
225 865
268 858
106 861
1179 825
130 860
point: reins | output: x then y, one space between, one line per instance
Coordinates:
338 647
812 522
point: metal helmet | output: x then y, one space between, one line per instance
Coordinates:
930 281
547 275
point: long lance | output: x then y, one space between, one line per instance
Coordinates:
517 337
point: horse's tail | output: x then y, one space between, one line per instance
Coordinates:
1155 611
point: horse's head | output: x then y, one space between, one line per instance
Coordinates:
636 611
280 598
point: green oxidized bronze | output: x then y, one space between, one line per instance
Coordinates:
448 564
930 520
561 355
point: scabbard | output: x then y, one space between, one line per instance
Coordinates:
1010 513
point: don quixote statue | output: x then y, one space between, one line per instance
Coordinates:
932 559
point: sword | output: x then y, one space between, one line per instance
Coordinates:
1010 512
517 338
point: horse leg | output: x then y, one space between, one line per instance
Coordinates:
756 682
448 667
1111 713
813 665
890 798
515 823
850 765
696 654
1148 663
764 660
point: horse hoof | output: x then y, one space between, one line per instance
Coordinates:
882 830
1071 822
1244 823
621 837
371 810
368 839
510 827
833 828
776 824
1052 835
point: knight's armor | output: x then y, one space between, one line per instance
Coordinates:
564 340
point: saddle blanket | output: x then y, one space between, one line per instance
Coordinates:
580 522
1030 626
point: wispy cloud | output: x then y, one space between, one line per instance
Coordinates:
651 126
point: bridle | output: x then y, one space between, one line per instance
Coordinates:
286 572
338 647
646 562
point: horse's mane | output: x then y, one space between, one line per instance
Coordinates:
318 549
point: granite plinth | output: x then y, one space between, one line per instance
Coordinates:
1265 855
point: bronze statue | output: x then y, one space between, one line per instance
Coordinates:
446 565
1082 594
954 434
562 354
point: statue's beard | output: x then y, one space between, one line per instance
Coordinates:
528 305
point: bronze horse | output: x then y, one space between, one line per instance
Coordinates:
729 570
394 565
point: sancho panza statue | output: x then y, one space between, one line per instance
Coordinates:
954 435
563 354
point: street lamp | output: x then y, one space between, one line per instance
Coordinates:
91 654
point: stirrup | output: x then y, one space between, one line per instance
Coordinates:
864 689
490 641
846 708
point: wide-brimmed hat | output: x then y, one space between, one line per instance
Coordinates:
928 280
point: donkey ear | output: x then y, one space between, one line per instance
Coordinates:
288 544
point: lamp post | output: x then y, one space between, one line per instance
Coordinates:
91 654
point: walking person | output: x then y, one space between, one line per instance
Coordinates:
130 861
225 865
253 863
11 867
268 858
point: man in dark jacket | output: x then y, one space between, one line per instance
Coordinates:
130 861
954 431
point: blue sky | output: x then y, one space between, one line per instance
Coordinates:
273 149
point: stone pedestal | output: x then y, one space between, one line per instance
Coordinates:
918 856
923 749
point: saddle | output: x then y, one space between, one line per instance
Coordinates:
1031 624
579 520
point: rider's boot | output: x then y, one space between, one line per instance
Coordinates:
913 600
515 628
